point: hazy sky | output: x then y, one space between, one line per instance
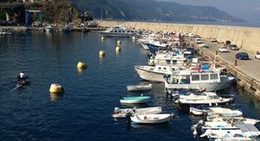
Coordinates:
245 9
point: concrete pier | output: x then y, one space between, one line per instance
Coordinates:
247 38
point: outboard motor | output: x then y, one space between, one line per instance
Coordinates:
116 110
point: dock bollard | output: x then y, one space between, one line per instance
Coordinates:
236 62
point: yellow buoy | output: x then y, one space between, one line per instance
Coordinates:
118 43
118 49
81 65
80 70
56 88
102 53
55 96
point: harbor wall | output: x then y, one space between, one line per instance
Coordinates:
247 38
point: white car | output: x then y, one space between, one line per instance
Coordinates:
213 40
198 40
223 49
257 55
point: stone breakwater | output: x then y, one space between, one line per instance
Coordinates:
247 38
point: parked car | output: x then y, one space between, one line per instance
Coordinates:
233 47
242 56
213 40
203 46
257 55
223 49
189 50
198 40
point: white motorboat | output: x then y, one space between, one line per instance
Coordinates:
167 58
218 127
227 135
154 45
140 87
121 113
210 79
205 98
151 118
154 73
245 128
213 112
118 31
197 112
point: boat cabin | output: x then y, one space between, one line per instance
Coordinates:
190 77
166 58
164 69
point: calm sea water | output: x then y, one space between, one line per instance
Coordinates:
83 112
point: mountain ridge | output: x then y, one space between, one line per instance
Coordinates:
150 10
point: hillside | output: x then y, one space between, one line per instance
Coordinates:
56 11
150 10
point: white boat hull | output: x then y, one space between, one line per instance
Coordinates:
109 34
196 112
151 118
147 73
208 86
139 87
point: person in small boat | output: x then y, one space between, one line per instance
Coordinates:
21 77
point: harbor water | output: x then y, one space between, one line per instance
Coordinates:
83 111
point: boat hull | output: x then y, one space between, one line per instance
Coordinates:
151 118
133 88
121 113
135 99
146 73
108 34
185 104
207 86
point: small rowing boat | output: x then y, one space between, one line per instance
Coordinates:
140 87
121 113
151 118
135 99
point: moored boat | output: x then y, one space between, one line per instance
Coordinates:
154 73
205 98
134 99
151 118
211 80
121 113
118 31
140 87
213 112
